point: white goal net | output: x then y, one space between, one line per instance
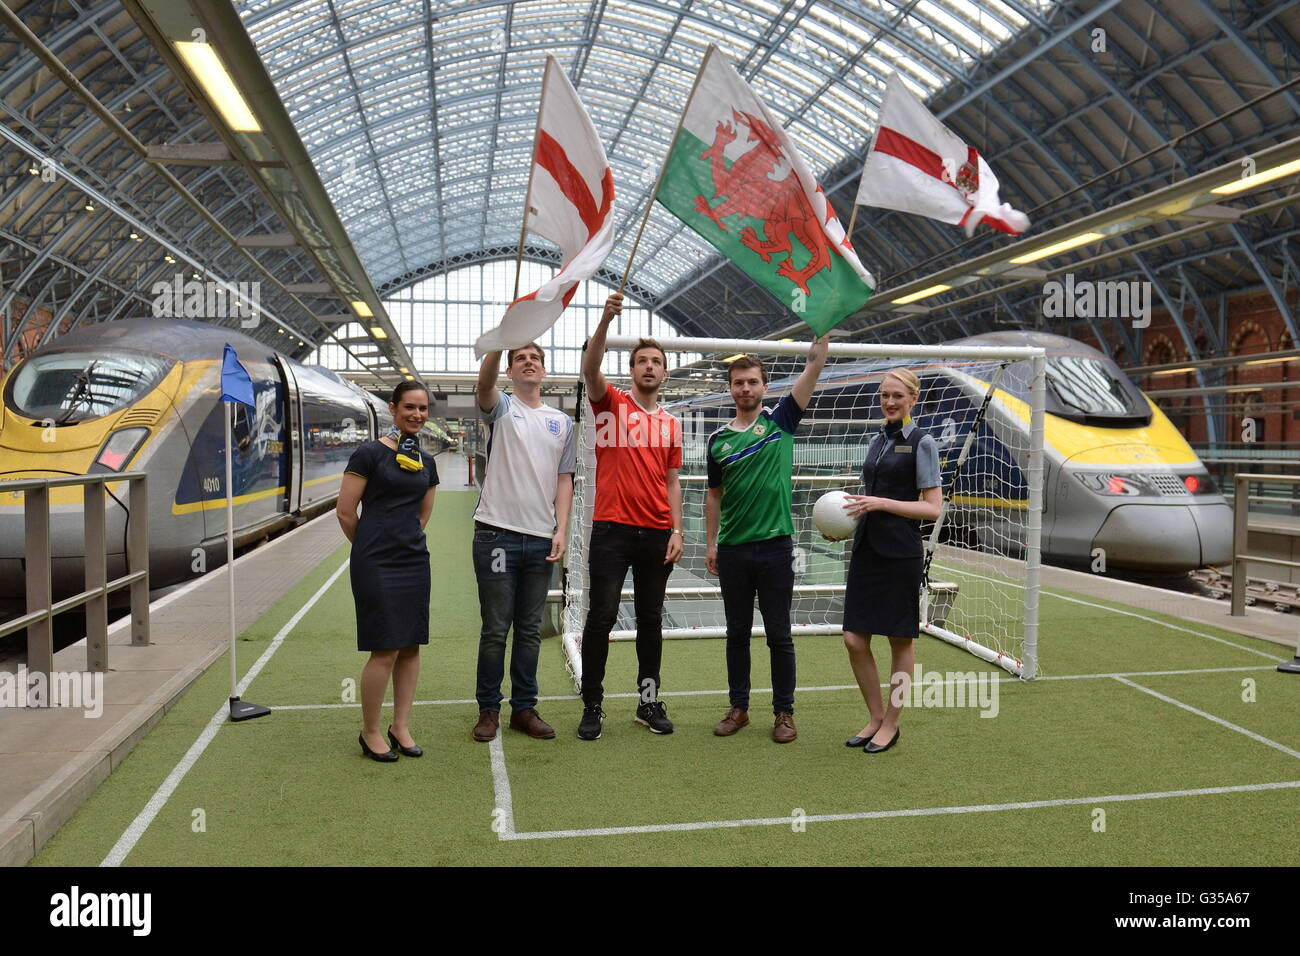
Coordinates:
984 407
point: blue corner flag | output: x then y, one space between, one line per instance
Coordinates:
236 386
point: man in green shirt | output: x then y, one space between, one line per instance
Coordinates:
749 528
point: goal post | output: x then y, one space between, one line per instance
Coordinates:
984 405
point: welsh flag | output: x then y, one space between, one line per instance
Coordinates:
918 165
736 179
570 195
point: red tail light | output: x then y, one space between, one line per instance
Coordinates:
1193 483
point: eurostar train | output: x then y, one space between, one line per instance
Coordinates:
1120 482
144 395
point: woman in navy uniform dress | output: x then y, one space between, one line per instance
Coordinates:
882 594
394 482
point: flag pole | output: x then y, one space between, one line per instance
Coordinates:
853 217
532 168
233 381
664 169
230 557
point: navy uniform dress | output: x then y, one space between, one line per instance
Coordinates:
390 562
882 593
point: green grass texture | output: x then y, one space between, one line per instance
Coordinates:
958 789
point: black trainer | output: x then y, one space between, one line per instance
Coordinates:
655 717
592 719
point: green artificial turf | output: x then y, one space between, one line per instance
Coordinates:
294 789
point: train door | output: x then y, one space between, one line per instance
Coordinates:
293 439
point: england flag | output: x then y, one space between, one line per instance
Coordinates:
570 199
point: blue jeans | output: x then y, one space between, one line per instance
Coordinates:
513 577
765 569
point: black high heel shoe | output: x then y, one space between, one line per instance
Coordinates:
411 751
388 757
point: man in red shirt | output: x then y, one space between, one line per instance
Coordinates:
637 521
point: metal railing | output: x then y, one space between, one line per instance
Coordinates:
41 606
1240 530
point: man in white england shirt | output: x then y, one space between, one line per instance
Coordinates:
519 532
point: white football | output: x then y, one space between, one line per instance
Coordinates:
830 517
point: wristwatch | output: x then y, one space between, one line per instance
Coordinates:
677 531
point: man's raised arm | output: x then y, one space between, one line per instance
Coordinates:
486 392
812 370
594 356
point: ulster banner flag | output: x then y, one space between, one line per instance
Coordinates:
918 165
570 196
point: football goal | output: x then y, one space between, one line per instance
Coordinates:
984 407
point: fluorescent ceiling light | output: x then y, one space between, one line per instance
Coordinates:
377 332
212 75
1174 371
1063 246
1258 179
362 309
923 294
1273 361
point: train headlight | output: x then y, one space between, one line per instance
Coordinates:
118 449
1104 483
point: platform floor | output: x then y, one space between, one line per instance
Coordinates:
293 593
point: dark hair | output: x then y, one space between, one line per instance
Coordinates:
510 356
644 343
748 361
404 387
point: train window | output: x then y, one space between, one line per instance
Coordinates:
1089 390
241 432
77 386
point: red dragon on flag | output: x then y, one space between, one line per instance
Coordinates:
735 178
749 187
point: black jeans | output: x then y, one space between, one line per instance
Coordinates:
615 548
765 568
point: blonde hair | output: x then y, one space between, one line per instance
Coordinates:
907 377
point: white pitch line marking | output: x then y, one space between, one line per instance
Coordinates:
131 836
1103 607
890 814
1208 716
504 817
800 690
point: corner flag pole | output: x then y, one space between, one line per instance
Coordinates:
236 386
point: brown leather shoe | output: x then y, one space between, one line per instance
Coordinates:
486 728
735 719
783 729
531 723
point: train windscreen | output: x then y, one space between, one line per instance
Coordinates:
75 386
1093 392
